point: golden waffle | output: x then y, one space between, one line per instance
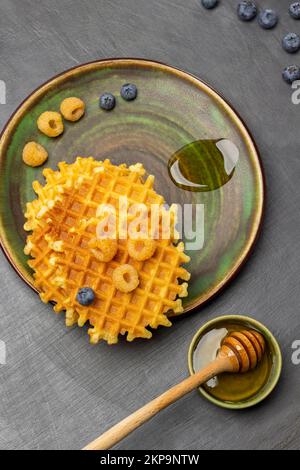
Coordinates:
63 222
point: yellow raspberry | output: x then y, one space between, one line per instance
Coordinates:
125 278
72 108
34 154
141 249
50 123
105 249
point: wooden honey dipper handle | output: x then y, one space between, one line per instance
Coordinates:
136 419
229 359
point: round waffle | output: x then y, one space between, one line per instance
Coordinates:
63 220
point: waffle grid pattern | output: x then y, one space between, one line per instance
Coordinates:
61 269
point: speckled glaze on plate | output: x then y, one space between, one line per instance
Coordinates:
173 108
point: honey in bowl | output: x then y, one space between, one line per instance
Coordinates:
227 386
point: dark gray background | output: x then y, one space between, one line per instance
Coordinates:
57 391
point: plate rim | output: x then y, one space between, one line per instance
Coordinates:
209 90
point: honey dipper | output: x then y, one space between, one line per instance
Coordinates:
240 352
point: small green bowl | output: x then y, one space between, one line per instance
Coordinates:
275 372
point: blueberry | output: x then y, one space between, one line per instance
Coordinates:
85 296
209 4
107 101
291 73
268 18
246 10
129 91
291 42
295 10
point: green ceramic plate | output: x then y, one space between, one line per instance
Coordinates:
173 109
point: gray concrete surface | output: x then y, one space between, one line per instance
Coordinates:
57 391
